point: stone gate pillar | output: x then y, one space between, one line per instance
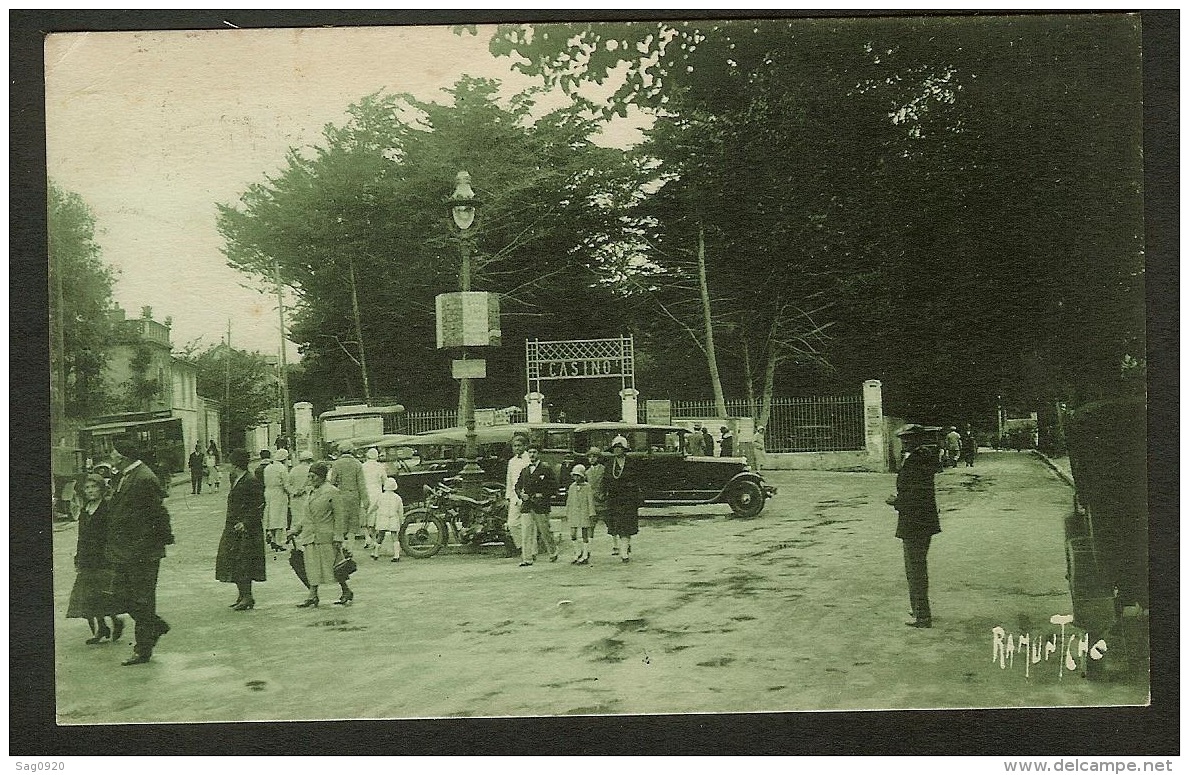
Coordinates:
630 398
536 406
873 425
303 428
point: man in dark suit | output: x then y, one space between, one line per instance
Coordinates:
197 463
138 531
535 488
915 502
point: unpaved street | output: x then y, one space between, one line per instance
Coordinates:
801 608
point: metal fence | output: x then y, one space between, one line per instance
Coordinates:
431 420
818 424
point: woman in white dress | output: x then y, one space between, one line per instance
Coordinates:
373 473
276 500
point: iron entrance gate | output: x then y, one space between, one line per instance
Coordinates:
579 359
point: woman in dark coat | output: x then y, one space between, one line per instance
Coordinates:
241 549
916 504
622 494
91 597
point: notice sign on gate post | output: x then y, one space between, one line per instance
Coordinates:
470 319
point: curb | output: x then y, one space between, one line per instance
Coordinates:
1053 467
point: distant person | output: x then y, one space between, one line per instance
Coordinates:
580 512
240 559
196 463
916 503
707 442
390 515
759 450
517 463
275 480
258 466
535 488
88 598
373 473
138 530
320 534
953 447
726 446
346 473
697 447
210 466
969 447
622 492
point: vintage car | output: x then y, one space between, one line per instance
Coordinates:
673 477
428 458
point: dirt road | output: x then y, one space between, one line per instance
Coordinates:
802 608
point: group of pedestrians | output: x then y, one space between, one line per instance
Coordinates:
598 491
123 531
204 467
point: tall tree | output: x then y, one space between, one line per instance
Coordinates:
373 198
245 382
80 299
963 191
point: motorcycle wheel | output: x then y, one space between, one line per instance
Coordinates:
423 534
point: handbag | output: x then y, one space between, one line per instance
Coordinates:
344 566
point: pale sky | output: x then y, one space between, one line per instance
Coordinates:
153 129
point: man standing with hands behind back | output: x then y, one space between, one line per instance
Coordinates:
137 533
916 503
535 488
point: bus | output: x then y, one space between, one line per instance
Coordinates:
354 420
160 438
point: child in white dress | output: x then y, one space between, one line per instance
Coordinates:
580 512
390 513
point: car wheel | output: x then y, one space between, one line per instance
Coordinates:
746 499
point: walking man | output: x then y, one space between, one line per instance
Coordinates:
138 531
916 503
535 488
196 463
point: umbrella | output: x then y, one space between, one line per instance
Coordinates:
297 561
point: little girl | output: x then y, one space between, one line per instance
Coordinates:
580 512
390 513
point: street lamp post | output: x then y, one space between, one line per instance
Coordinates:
463 208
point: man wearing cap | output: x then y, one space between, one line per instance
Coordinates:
697 446
953 447
915 502
138 531
346 473
535 488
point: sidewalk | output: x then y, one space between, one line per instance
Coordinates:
1058 464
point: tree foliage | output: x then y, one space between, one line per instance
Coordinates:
85 284
244 382
962 195
374 194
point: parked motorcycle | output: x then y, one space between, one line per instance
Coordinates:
447 516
